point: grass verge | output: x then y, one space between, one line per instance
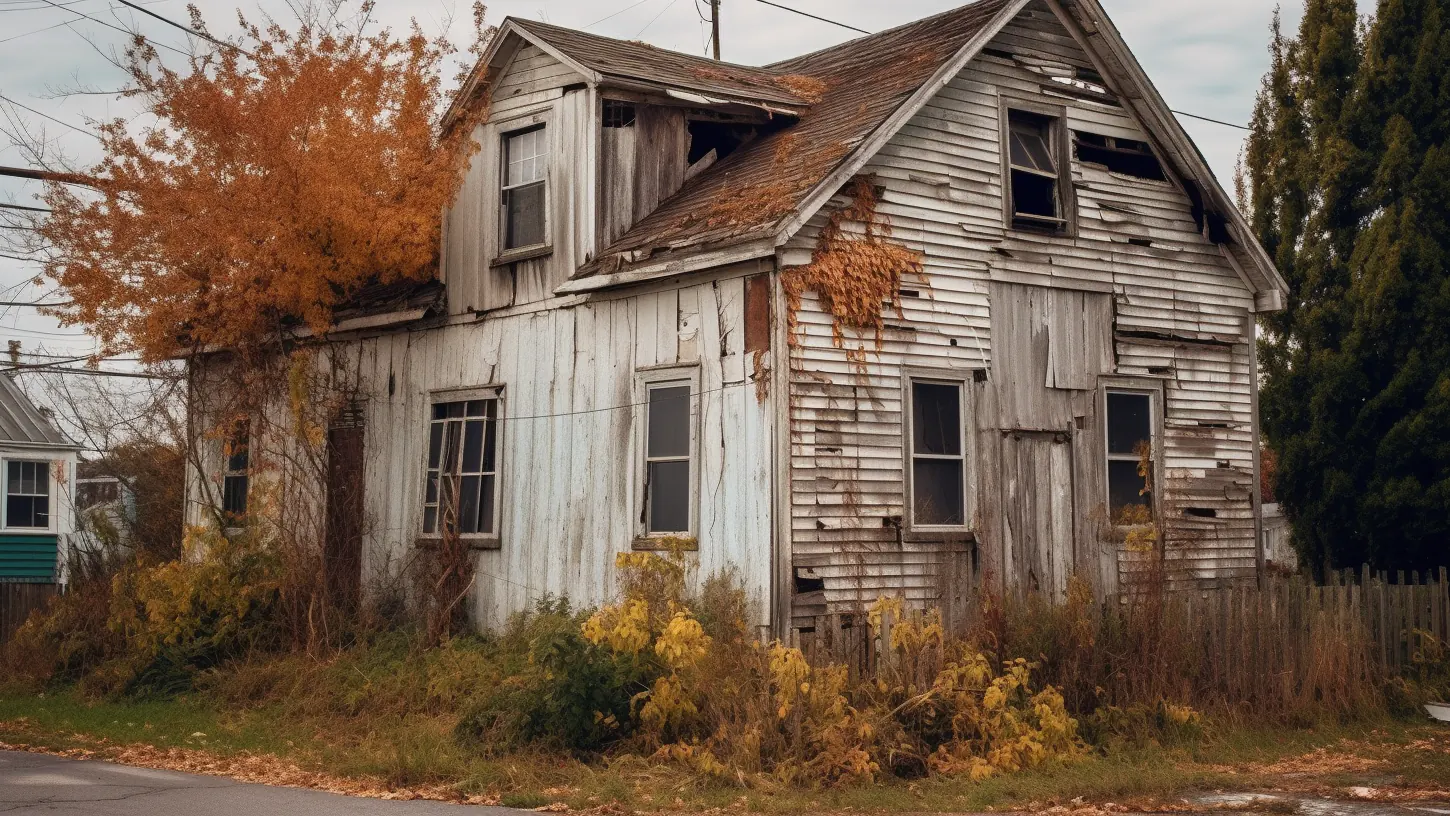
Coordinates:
412 756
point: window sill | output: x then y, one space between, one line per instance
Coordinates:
473 542
665 544
962 536
522 254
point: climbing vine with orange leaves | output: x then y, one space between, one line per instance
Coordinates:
856 269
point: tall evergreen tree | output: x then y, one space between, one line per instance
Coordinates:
1350 172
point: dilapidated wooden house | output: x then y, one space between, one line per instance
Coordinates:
957 302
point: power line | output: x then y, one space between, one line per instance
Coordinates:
118 28
188 29
615 14
48 116
1215 121
22 208
864 31
667 7
91 372
813 17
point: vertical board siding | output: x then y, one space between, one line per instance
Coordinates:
531 86
1174 311
570 441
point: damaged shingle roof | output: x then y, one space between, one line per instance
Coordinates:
749 193
632 60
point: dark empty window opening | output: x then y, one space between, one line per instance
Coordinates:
1127 156
1036 199
618 114
1130 456
722 137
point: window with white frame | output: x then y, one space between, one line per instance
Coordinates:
524 193
27 494
669 458
938 453
1130 423
461 486
236 478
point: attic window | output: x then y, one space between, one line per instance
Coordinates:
618 114
1126 156
1036 200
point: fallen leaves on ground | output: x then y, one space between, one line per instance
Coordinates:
247 767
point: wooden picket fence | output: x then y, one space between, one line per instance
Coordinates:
1238 642
17 601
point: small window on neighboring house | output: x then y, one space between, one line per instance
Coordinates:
1130 456
235 480
668 459
1035 195
461 489
27 494
525 168
938 454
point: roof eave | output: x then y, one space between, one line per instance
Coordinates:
680 264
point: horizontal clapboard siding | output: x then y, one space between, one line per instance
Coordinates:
26 558
1180 314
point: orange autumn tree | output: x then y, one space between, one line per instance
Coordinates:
265 183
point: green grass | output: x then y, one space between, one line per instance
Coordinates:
408 751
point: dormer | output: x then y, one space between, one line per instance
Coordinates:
584 137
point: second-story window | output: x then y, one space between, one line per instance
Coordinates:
235 480
27 494
1034 166
524 195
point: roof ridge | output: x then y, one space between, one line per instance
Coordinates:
525 23
864 38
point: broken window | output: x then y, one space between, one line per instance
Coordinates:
524 195
1130 456
460 493
1127 156
668 459
1036 200
938 454
27 494
235 478
618 114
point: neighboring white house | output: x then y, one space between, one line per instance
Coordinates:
618 350
37 467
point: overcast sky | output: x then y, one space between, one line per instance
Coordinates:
1206 57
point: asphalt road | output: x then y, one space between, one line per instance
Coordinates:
39 784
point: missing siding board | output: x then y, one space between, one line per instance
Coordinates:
1125 156
1200 512
757 313
1165 337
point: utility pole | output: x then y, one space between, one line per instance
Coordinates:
715 27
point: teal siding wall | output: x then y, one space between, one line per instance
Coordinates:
27 557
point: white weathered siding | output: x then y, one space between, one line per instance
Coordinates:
533 88
1179 314
571 438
